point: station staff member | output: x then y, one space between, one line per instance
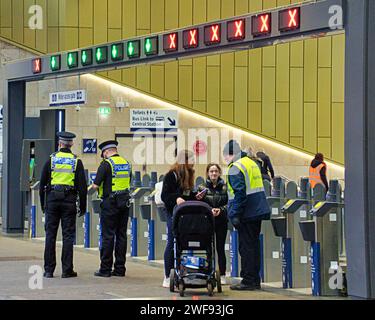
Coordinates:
113 183
63 179
247 207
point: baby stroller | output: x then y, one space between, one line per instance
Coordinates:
194 248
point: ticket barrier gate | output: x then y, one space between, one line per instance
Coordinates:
271 262
93 235
295 252
161 232
232 252
139 226
322 233
135 183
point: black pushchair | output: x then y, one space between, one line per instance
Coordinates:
194 248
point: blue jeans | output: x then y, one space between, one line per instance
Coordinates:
169 250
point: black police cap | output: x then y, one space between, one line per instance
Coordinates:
66 136
107 145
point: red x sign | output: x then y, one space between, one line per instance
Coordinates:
265 25
239 29
193 37
236 30
212 34
170 42
37 65
293 18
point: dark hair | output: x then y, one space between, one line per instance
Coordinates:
319 157
185 173
213 165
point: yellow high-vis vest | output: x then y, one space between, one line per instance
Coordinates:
121 170
252 174
63 168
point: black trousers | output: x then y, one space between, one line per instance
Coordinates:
114 224
249 248
66 212
221 229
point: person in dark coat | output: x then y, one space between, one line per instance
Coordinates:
178 185
266 166
214 193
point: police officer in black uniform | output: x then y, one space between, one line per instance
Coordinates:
63 179
113 184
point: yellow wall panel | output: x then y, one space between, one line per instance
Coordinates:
296 54
213 10
100 21
53 39
68 13
114 14
185 85
226 111
53 13
324 102
185 62
199 79
213 61
143 14
227 76
129 15
241 7
86 8
200 106
255 116
171 14
255 5
241 58
324 146
227 8
282 73
41 35
240 96
296 102
268 100
157 80
68 38
213 91
26 16
269 4
157 16
255 75
85 37
296 142
311 67
282 121
29 40
310 127
185 12
338 68
199 11
283 3
143 78
338 132
325 52
171 81
269 56
17 20
129 77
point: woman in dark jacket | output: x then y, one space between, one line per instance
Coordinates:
214 193
178 187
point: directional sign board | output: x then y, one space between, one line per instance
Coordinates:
90 146
152 119
57 99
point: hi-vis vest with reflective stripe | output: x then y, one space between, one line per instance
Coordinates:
63 168
120 174
314 175
252 174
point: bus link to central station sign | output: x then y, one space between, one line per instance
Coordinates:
236 33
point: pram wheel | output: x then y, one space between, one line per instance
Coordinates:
210 288
181 288
171 281
218 282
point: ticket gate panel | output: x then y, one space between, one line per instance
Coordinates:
80 231
160 232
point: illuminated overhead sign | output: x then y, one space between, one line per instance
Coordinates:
37 65
261 25
247 31
191 38
212 34
289 19
236 30
170 42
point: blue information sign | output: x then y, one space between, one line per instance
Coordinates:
90 146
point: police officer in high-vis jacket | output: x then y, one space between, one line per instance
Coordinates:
247 207
63 195
113 184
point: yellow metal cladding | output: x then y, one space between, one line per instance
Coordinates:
292 93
